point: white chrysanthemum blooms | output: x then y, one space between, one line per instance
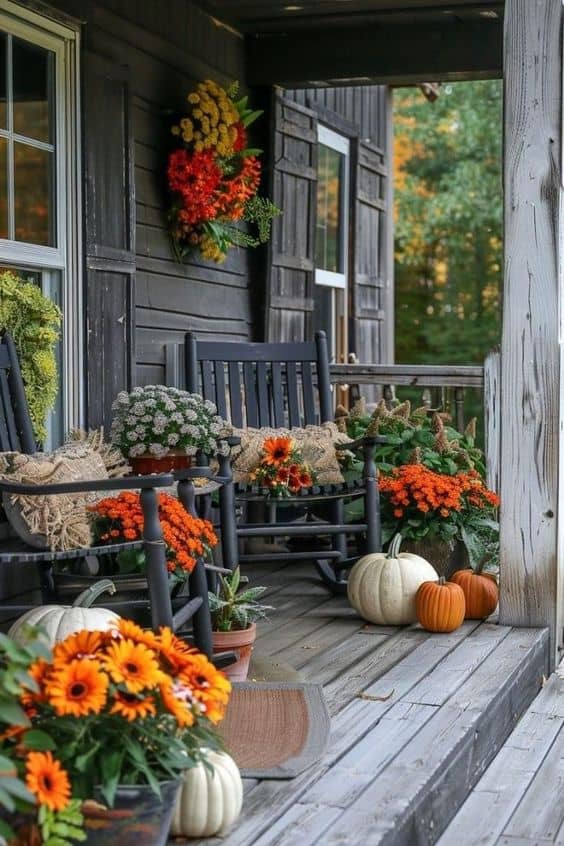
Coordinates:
158 450
132 435
138 408
173 439
177 417
150 403
191 414
137 449
209 406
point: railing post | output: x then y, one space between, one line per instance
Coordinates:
492 416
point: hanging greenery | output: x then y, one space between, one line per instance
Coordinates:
34 322
214 175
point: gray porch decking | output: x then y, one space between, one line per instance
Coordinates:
417 718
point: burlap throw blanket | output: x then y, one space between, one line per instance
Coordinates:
316 444
59 522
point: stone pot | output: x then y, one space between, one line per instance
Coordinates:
138 818
144 465
241 643
446 557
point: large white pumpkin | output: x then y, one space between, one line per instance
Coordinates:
382 586
208 803
59 621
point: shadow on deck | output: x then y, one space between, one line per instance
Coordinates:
416 719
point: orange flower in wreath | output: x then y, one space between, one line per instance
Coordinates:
277 450
47 780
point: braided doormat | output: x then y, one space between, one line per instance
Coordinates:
275 729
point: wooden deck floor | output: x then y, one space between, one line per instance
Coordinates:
416 719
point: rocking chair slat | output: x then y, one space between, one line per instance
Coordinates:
293 398
207 381
235 393
10 420
277 395
5 442
262 390
307 387
220 397
250 394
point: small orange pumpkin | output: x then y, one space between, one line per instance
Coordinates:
480 592
440 606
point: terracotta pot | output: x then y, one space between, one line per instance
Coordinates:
241 643
444 556
144 465
138 818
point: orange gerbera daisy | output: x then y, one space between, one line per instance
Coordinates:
47 780
134 664
179 709
129 629
79 645
210 687
277 450
78 688
175 652
129 706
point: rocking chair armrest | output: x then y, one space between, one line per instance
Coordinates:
164 480
366 440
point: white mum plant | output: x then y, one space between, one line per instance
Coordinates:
156 419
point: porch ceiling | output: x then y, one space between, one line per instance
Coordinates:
306 43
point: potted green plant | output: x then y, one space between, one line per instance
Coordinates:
234 614
107 726
158 428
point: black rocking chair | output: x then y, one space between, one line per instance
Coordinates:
283 385
16 434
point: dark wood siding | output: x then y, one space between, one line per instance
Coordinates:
167 47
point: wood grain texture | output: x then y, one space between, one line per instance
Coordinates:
530 358
492 415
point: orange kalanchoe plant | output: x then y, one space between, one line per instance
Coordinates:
187 538
419 503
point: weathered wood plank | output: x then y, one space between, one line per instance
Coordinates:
485 813
530 354
332 663
302 823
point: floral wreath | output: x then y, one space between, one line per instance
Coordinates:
213 176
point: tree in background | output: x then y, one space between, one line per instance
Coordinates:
448 223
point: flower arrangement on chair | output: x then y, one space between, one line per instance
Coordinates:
187 538
213 176
105 712
282 469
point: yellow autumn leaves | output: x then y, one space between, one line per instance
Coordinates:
212 122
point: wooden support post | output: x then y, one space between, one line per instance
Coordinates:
532 522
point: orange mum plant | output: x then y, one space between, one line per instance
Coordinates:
282 470
107 708
419 503
187 538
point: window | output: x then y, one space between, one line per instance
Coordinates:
331 240
39 184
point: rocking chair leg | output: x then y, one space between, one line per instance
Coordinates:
155 556
337 516
228 518
201 621
371 501
330 577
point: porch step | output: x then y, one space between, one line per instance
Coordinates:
518 800
408 742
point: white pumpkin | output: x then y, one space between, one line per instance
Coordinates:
59 621
382 586
208 803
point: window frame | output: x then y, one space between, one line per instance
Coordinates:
66 257
340 143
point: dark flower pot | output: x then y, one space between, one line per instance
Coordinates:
138 818
446 557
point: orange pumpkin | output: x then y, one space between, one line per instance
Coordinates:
480 592
440 606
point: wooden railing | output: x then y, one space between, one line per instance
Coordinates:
442 386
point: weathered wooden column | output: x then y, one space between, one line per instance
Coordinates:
532 478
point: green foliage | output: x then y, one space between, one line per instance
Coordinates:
448 223
59 828
261 211
34 323
233 610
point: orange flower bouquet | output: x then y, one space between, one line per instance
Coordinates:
214 175
187 538
419 503
282 470
108 710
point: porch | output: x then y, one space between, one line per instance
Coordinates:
416 719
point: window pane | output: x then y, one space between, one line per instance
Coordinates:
329 234
33 181
3 92
33 69
3 187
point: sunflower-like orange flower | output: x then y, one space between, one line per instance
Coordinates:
129 706
80 645
277 450
30 698
47 780
179 708
133 664
130 630
77 688
174 651
210 687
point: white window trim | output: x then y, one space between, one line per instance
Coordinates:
65 42
341 144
